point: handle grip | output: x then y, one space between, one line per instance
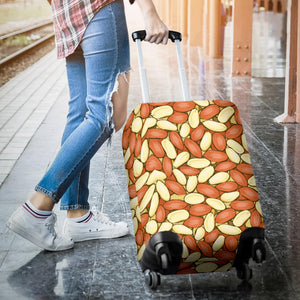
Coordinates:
141 34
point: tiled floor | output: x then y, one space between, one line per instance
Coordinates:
109 269
24 104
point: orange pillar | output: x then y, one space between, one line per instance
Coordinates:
275 6
195 22
206 24
165 11
173 14
183 10
242 37
214 28
170 13
292 85
298 73
266 5
179 15
283 6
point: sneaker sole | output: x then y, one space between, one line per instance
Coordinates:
97 236
27 236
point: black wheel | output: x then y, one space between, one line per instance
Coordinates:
244 272
147 277
164 261
155 280
152 279
258 256
258 251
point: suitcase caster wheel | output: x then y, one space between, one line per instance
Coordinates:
152 279
164 262
258 251
258 256
244 272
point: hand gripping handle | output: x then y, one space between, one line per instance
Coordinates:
141 34
175 37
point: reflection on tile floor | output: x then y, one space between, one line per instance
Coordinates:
109 269
268 45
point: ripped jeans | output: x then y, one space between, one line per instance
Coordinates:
92 71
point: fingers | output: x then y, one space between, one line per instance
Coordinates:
157 38
165 39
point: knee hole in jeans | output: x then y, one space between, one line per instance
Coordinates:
119 97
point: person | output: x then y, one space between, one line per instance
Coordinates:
92 36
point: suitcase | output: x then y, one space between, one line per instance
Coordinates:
193 196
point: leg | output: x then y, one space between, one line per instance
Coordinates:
76 196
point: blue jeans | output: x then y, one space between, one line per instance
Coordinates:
92 71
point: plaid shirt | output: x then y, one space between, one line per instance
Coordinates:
71 18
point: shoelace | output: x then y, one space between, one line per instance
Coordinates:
101 217
49 223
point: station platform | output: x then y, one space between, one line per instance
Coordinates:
33 108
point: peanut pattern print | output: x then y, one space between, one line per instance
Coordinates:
189 171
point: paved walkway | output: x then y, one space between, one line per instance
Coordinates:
32 115
25 102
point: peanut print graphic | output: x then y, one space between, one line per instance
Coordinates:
189 171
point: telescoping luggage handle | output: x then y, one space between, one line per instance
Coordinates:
176 38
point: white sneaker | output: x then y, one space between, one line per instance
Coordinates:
40 232
96 226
